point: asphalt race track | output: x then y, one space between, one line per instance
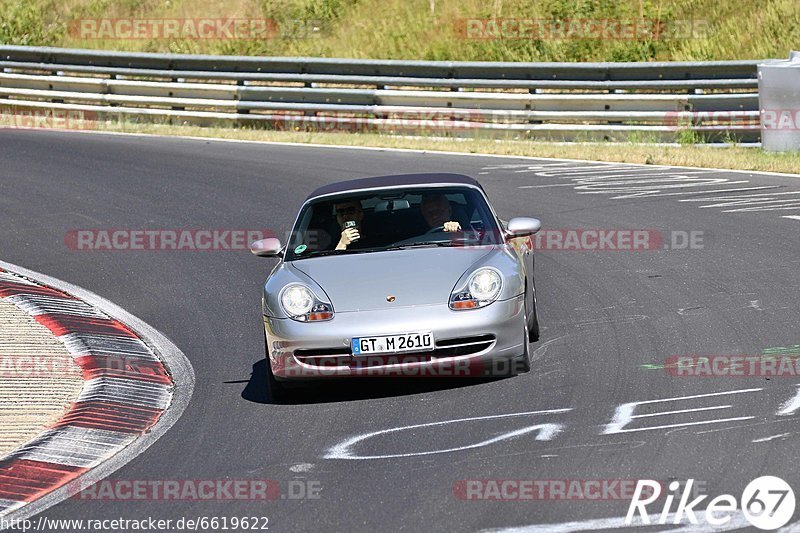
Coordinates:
610 319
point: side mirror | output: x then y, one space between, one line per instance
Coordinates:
523 226
266 247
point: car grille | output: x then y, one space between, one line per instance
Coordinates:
331 357
324 357
463 346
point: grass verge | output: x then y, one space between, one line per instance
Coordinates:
727 157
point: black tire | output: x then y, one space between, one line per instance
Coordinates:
523 364
533 328
533 331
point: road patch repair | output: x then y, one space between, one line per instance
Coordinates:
85 388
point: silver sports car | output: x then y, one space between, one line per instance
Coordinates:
408 275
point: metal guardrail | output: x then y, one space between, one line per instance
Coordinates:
560 101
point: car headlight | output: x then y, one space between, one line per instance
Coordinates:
483 288
300 303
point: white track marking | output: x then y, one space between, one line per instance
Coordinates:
767 439
651 192
623 415
686 424
793 205
734 189
610 320
624 192
744 196
541 350
546 431
737 521
601 173
623 182
546 186
745 202
793 217
682 411
791 405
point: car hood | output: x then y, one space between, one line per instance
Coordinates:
421 276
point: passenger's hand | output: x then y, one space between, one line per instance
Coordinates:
452 226
349 236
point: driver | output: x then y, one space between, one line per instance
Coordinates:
436 211
349 211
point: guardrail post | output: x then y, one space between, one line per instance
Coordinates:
779 104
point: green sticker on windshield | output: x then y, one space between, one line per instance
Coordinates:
300 249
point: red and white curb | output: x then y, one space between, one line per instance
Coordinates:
136 386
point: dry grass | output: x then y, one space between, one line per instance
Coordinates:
408 29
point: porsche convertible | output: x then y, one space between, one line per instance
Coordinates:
406 275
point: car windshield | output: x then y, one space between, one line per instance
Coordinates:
393 219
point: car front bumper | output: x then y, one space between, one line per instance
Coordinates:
471 343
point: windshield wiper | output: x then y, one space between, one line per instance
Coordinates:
323 253
423 244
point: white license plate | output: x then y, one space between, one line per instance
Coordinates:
407 342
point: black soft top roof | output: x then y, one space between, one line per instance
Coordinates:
398 180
